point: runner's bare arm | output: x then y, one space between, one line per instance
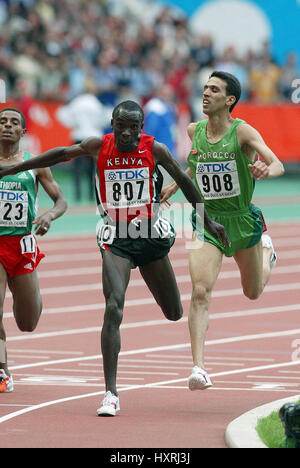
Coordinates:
43 222
89 147
252 143
163 156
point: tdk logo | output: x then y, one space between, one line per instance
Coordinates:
215 167
128 174
13 196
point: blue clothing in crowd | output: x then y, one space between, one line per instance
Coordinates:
160 122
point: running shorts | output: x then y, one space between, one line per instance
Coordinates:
154 242
244 229
19 254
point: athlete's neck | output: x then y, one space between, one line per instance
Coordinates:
11 151
218 124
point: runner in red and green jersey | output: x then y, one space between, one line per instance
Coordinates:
19 252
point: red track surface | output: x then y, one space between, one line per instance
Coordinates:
253 353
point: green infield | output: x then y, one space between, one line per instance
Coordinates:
272 431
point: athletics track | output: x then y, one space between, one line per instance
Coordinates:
253 352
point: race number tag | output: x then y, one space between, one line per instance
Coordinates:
218 179
126 188
106 234
163 228
28 244
13 208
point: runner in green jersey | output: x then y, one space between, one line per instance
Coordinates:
19 253
224 164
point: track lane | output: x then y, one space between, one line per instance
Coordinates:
149 406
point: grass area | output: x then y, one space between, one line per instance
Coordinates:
271 430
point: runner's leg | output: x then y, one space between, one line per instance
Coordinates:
205 264
27 301
160 279
254 265
116 274
3 353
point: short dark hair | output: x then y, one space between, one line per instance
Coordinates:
130 106
23 120
233 86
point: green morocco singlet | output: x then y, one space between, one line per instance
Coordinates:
18 203
221 171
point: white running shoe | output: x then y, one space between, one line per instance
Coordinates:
199 379
268 244
6 383
110 405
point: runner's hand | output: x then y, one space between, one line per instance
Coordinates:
259 170
218 231
42 224
167 192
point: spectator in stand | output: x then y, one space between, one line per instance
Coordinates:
28 67
52 80
230 63
160 117
106 77
202 50
79 70
289 73
264 77
87 117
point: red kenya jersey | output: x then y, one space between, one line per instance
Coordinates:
127 184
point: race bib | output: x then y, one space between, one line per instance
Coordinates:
13 208
126 188
218 179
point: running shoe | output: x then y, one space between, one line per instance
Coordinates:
199 379
268 244
6 383
110 405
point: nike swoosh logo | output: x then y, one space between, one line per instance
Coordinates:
225 144
142 151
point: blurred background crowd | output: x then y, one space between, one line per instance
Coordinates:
89 55
128 49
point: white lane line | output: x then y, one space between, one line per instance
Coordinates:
275 288
67 272
149 323
180 279
279 233
7 417
233 339
94 254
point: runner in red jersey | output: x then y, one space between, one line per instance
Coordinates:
129 183
128 190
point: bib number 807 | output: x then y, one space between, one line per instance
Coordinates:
126 190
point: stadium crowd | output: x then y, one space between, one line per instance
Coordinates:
129 49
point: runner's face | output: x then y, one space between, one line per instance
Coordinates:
214 96
11 127
127 127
